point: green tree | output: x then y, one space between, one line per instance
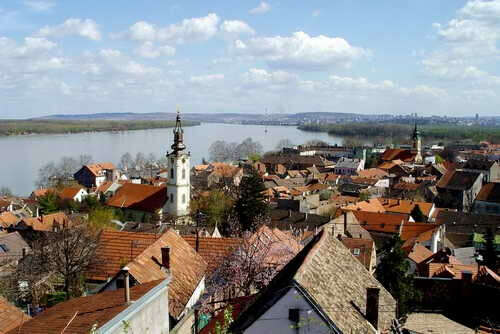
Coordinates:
49 202
250 205
392 273
216 206
101 218
364 196
417 214
5 191
489 252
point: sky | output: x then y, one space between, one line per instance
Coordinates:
432 57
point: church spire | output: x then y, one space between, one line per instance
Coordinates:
178 144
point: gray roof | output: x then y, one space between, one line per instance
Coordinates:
333 279
465 255
348 163
434 323
11 246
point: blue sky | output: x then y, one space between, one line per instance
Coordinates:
397 57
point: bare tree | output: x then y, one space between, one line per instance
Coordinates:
85 159
140 161
126 161
5 191
252 266
247 148
284 143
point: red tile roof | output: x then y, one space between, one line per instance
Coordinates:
97 309
141 252
141 197
69 193
366 247
96 169
213 250
7 219
10 316
398 154
47 222
419 253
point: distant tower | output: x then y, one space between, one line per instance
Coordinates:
178 184
417 145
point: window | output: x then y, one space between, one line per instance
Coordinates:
183 198
171 173
356 252
183 173
171 198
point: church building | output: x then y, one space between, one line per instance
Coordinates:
178 185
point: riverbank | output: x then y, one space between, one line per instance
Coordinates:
36 127
385 132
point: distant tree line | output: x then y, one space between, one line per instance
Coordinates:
20 127
401 131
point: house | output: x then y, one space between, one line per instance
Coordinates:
488 199
416 254
393 168
489 169
8 219
373 173
139 202
458 189
139 309
346 166
76 194
294 162
398 154
146 255
311 292
12 247
5 205
36 194
10 316
93 175
363 250
222 173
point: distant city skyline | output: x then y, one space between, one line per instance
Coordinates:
387 57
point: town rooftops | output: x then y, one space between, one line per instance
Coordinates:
398 154
458 180
374 173
478 164
97 169
11 246
466 223
348 163
141 197
141 252
362 249
7 219
48 222
336 287
81 314
490 192
405 206
285 159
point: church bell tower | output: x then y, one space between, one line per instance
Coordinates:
417 145
178 184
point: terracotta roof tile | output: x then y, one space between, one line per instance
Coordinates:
141 252
373 173
96 309
69 193
140 197
7 219
97 169
47 222
365 248
398 154
419 253
10 316
405 206
213 250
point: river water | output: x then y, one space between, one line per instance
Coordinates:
22 156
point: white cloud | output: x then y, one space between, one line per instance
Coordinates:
301 51
262 8
143 31
40 6
482 9
206 79
73 27
236 27
149 50
256 77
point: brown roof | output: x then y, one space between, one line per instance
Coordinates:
225 170
407 186
365 248
10 316
457 180
398 154
96 169
419 253
141 197
46 222
96 309
141 252
69 193
490 192
7 219
213 250
373 173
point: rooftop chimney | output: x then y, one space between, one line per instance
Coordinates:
126 279
165 257
345 223
25 251
372 298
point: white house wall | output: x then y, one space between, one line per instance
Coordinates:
275 320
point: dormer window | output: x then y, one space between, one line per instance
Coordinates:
356 251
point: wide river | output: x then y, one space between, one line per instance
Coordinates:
22 156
